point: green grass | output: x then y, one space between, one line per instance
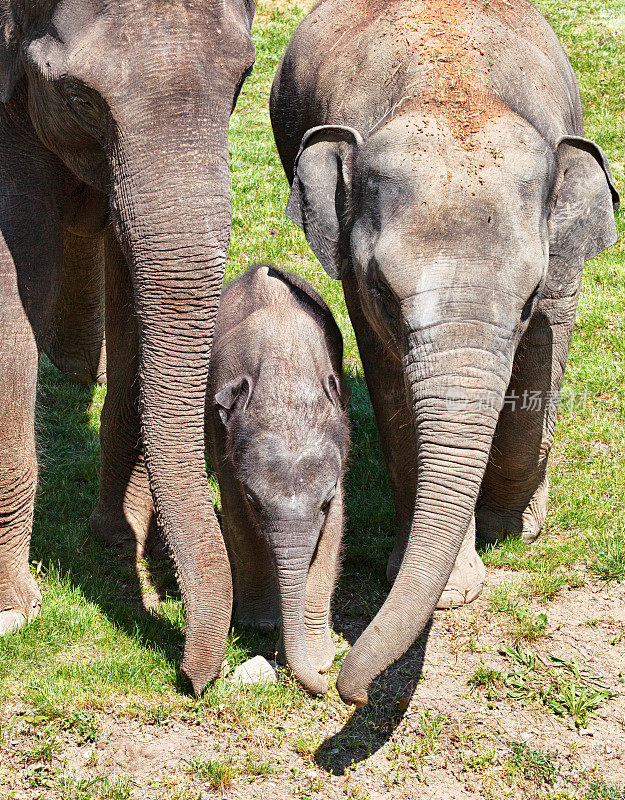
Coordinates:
536 766
94 647
565 688
217 774
600 790
485 677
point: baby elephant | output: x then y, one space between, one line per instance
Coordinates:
278 436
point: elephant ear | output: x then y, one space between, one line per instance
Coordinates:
233 397
249 7
581 224
10 63
337 391
320 200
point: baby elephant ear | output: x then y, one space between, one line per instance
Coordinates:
321 193
10 63
581 224
235 396
338 393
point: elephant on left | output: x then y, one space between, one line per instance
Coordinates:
115 212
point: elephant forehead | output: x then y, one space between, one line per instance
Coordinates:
419 148
94 40
290 465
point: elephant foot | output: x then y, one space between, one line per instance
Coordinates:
467 578
257 612
11 621
264 622
128 533
84 368
495 524
321 650
22 605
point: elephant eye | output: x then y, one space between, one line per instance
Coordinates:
387 298
252 500
81 102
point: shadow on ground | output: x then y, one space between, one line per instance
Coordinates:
69 454
370 728
68 449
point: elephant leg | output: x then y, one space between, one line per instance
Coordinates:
30 269
387 389
385 382
514 493
124 515
20 599
255 587
76 341
320 586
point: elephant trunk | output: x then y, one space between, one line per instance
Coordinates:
456 395
171 210
292 565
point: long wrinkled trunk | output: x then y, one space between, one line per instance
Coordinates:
292 564
456 394
171 206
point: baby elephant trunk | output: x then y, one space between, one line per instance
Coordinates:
292 560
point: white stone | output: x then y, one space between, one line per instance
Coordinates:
256 670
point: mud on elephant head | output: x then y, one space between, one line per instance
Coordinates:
458 207
132 100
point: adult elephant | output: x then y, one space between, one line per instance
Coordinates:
438 168
114 170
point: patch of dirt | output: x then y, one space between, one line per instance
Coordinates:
383 751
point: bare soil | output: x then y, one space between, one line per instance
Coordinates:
380 751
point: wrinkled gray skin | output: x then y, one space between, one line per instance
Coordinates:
278 434
448 188
114 160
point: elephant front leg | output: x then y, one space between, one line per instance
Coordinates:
387 390
76 341
255 587
514 493
124 515
20 599
30 265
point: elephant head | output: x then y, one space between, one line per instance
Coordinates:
135 99
451 248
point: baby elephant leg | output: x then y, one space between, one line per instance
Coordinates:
255 586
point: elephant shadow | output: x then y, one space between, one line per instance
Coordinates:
68 444
62 540
369 728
